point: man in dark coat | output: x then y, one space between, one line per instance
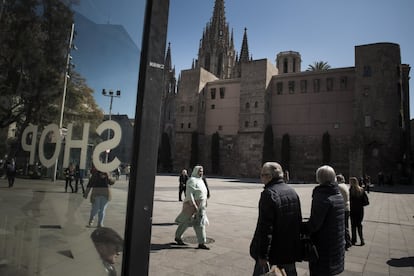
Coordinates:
277 237
327 224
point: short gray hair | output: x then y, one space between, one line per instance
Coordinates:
275 169
325 175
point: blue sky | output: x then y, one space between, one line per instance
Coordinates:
326 30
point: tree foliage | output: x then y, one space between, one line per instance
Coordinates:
34 44
268 153
318 66
215 153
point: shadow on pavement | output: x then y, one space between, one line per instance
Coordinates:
401 262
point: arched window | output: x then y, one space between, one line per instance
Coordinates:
256 104
255 123
247 105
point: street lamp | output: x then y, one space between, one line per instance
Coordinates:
111 94
65 83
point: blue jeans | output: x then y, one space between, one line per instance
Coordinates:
98 207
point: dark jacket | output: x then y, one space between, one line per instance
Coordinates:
327 227
277 235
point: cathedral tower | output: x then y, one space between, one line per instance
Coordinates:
216 52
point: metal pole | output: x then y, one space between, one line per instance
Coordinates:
110 116
65 83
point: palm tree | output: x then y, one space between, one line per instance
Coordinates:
318 66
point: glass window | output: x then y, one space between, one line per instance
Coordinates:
343 82
182 109
81 61
222 91
303 86
191 108
316 85
279 88
291 87
246 124
256 104
213 106
367 71
329 84
213 93
247 105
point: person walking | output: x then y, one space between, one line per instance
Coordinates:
194 209
79 179
99 185
326 224
11 172
182 180
358 199
69 176
276 240
344 189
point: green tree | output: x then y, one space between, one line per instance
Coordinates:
318 66
268 153
326 148
286 152
215 153
194 149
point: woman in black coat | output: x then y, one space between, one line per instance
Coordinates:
356 197
326 224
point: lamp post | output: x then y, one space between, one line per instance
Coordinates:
65 83
111 94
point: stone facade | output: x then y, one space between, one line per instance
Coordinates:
363 109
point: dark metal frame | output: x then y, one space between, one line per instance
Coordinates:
145 149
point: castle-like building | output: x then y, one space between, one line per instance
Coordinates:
354 118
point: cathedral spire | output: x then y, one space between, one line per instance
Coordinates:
244 53
218 22
167 63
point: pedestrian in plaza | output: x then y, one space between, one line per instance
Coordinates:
69 177
367 183
358 199
194 209
344 189
326 224
276 240
79 179
109 245
380 178
99 187
11 171
127 172
182 180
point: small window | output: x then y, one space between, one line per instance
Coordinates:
213 93
189 125
182 109
213 106
256 104
246 124
182 125
247 105
255 123
291 87
285 65
367 71
279 88
220 127
329 84
316 85
222 92
191 108
343 83
303 86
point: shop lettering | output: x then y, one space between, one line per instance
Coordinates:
29 142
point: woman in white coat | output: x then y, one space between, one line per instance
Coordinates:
194 208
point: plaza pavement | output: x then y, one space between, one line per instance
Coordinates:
42 230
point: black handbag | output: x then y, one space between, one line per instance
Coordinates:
309 252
